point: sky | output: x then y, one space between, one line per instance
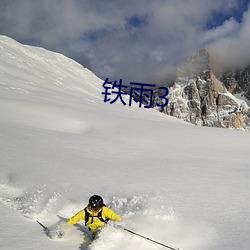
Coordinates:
133 40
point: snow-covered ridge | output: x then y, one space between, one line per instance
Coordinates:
33 74
38 66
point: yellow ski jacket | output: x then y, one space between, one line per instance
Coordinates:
94 223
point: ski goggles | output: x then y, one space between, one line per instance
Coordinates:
94 208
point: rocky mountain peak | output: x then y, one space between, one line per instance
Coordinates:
201 97
195 64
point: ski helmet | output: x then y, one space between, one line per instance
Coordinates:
95 202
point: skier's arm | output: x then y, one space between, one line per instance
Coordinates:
77 217
110 214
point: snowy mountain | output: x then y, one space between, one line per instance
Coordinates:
182 185
204 97
237 81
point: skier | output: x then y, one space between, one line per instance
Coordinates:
95 214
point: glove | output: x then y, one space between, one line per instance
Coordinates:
60 234
62 229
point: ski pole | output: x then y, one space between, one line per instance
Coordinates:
146 238
45 228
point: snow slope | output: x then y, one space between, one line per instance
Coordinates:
176 183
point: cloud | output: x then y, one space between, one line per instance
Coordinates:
233 49
136 40
228 28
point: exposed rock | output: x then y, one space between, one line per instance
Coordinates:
237 81
199 97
